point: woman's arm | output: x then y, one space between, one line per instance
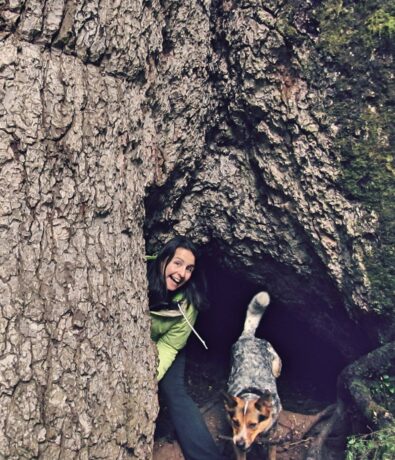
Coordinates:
172 342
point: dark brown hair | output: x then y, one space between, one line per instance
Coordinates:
194 291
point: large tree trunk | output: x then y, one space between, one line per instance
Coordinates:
77 367
231 121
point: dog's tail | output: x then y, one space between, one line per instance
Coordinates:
256 308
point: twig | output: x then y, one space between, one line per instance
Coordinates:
301 441
281 441
316 449
225 438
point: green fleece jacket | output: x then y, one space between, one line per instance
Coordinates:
170 331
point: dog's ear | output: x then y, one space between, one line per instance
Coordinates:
265 402
230 401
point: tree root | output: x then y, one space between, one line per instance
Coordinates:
319 417
354 389
355 383
315 451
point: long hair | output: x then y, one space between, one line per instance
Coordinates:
194 291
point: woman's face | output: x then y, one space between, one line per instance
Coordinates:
179 270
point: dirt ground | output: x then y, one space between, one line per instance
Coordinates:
207 380
290 426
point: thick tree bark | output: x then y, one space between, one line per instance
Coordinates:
218 118
259 178
77 366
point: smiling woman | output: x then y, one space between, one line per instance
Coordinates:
179 270
177 292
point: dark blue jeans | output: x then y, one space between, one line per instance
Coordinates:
195 440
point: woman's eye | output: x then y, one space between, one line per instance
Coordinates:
190 269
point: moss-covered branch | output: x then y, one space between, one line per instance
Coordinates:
359 383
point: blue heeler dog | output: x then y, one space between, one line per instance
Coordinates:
252 402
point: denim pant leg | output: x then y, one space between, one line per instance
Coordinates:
195 440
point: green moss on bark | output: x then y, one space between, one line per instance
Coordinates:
356 39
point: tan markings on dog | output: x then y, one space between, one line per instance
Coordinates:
248 419
276 363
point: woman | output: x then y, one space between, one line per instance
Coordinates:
177 292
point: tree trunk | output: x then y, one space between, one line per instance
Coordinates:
244 124
77 366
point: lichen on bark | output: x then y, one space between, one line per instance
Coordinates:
356 40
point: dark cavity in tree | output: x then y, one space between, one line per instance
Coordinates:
310 364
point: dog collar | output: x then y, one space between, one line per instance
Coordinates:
252 393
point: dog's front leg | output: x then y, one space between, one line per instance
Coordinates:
271 453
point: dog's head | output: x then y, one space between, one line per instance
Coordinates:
249 418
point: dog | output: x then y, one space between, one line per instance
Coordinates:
251 401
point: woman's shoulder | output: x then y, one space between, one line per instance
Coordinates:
190 311
180 298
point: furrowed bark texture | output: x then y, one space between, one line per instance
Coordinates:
257 180
77 367
127 119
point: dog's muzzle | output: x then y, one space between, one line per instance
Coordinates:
241 444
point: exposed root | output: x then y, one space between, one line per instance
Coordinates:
355 383
354 388
315 451
325 413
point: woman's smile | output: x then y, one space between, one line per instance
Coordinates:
180 268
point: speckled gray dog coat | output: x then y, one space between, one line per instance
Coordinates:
251 371
253 360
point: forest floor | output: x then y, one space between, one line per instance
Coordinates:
207 379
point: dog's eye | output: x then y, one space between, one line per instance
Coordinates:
252 425
262 418
235 422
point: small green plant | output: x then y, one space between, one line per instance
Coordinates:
378 445
381 22
384 386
